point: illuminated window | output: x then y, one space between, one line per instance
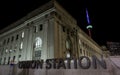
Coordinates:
68 55
22 34
68 44
6 51
21 45
38 42
69 48
10 50
79 41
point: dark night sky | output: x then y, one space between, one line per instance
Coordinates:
104 15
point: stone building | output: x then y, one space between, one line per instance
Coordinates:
114 48
47 32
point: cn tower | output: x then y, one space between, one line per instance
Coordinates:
89 26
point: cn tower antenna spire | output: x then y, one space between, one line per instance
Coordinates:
89 26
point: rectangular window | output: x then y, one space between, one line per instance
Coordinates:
2 51
21 45
13 59
10 49
4 42
12 39
38 53
17 37
63 27
6 51
41 27
84 52
1 43
19 57
68 31
8 40
35 29
15 48
4 60
81 51
9 60
22 34
0 61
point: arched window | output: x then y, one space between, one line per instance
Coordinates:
38 42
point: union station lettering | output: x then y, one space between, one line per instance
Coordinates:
82 62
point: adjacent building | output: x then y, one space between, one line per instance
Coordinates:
113 47
47 32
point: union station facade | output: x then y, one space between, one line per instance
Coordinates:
47 32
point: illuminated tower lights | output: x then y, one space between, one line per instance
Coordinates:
89 26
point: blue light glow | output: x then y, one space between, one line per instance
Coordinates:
88 20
